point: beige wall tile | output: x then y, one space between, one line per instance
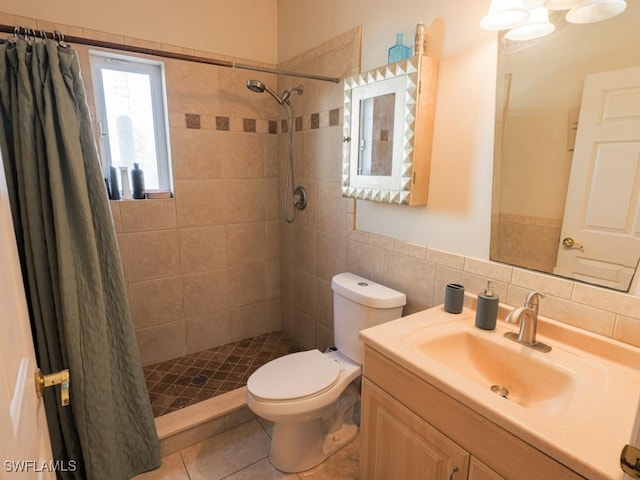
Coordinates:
411 249
272 200
324 304
207 331
445 258
245 200
332 208
149 255
365 260
555 286
144 215
413 277
627 330
270 155
200 202
582 316
494 271
115 213
196 154
205 293
154 302
161 342
303 294
331 255
202 248
304 249
247 284
246 243
273 241
273 280
627 305
242 155
327 146
250 320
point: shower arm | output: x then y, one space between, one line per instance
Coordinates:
22 31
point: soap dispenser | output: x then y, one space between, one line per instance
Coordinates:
487 308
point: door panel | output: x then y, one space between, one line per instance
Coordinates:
602 209
24 449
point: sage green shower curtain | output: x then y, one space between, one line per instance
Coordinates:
73 278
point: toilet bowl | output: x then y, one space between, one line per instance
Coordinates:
310 396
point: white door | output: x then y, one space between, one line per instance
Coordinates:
25 450
602 207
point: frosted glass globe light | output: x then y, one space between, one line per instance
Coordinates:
537 26
591 11
504 14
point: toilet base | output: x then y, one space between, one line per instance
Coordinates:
299 446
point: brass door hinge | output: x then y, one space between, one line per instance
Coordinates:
59 378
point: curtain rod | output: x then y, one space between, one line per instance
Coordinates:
160 53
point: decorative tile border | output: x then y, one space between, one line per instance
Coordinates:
312 121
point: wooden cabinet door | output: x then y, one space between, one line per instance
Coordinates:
479 471
396 443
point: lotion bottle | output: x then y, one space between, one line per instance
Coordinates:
487 308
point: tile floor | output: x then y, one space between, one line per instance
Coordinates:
242 454
183 381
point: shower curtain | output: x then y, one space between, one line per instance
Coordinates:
73 278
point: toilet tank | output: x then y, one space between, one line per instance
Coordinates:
359 303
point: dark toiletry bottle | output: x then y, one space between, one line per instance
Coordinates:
137 178
487 308
115 189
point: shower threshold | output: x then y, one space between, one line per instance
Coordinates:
184 381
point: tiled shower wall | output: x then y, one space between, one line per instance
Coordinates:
202 268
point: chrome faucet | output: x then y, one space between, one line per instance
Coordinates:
527 317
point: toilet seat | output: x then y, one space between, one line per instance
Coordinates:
294 376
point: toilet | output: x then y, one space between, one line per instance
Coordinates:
310 396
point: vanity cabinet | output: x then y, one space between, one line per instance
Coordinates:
397 443
413 430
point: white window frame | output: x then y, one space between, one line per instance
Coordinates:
156 72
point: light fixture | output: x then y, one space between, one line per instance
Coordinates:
591 11
504 14
537 26
562 4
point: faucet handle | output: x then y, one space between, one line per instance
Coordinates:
533 299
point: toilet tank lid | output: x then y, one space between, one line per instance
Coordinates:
366 292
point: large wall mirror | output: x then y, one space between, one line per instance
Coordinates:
566 189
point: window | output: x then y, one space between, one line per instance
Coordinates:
130 106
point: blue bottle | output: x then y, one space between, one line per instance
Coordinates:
399 51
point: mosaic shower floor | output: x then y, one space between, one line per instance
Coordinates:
183 381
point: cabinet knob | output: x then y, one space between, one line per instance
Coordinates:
453 472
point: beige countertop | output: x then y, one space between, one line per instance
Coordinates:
585 428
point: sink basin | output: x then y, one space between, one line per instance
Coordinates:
545 383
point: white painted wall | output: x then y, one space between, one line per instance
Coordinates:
238 28
457 216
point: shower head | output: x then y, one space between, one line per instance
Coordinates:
259 87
